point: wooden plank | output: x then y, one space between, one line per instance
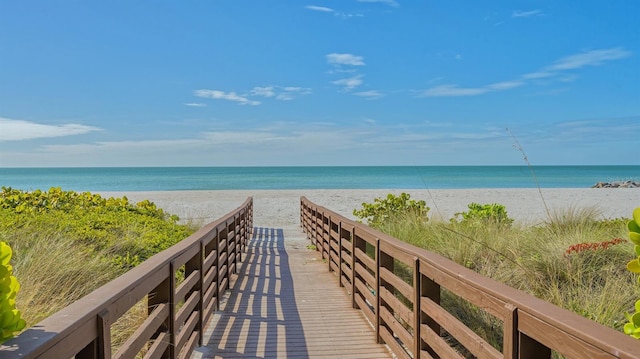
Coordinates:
562 342
186 331
159 346
461 288
365 292
187 308
397 307
437 344
139 338
405 289
393 344
187 285
396 327
263 317
468 338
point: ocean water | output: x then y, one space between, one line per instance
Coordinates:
369 177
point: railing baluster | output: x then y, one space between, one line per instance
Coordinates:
417 313
340 272
355 245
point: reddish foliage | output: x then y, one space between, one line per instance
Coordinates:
581 247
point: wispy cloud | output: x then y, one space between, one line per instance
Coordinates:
283 93
349 83
345 59
505 85
557 72
371 94
453 90
387 2
589 58
195 104
335 13
319 8
529 13
266 91
339 61
229 96
16 130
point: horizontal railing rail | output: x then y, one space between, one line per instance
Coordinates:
177 309
398 287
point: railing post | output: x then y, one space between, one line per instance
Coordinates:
417 312
355 244
164 293
197 264
236 242
510 334
383 260
340 254
220 265
228 251
216 265
431 290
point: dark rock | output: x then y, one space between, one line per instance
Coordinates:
617 184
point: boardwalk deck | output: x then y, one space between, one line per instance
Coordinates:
286 304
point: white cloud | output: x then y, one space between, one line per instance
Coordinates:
555 71
345 59
266 91
453 90
221 95
371 94
537 75
16 130
589 58
319 8
505 85
195 104
349 83
387 2
283 93
530 13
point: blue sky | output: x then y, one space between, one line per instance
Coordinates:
342 82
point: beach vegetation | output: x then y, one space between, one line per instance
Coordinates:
572 261
632 327
66 244
391 206
482 214
10 318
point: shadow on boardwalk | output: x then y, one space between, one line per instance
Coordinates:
286 304
253 322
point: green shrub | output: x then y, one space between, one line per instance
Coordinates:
10 317
482 214
66 244
130 233
632 328
383 209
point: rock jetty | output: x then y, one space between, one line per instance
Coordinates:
618 184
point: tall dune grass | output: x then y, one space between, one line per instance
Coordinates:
592 283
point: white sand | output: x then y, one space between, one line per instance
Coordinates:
280 208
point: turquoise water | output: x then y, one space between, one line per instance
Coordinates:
375 177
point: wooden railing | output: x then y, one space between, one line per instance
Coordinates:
398 288
177 309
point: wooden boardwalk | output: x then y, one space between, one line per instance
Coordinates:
286 304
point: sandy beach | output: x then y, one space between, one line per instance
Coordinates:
280 208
